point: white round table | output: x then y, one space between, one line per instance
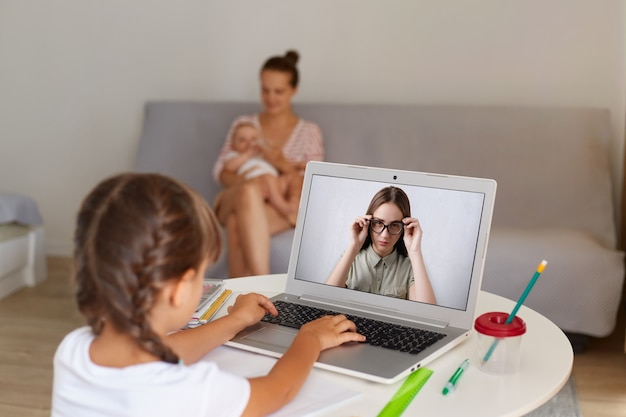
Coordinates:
545 366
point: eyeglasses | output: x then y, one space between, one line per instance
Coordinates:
395 228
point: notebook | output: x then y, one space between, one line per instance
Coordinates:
455 216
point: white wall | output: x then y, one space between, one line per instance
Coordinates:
75 73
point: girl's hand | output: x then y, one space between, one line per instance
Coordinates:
250 308
360 229
412 235
331 331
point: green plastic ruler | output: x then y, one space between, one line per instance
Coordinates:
405 394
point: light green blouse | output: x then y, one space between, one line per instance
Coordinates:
391 275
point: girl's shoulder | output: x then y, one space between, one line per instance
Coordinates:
77 336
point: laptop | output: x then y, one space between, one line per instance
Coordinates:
455 216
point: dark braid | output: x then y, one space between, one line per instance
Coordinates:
134 232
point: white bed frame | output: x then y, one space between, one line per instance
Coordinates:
22 261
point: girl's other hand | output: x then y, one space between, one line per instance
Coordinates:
250 308
331 331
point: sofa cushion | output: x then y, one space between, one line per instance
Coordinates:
577 263
17 208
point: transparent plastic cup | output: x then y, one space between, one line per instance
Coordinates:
499 344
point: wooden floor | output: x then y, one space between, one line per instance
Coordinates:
34 320
600 374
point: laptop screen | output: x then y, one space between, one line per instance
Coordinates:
449 219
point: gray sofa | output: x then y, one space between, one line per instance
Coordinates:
554 198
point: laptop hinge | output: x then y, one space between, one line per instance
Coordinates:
342 305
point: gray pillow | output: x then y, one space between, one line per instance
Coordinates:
17 208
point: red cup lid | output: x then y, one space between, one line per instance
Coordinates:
492 324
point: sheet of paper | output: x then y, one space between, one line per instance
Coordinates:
317 393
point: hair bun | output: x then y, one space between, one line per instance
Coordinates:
292 56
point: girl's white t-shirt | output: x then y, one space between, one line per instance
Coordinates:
82 388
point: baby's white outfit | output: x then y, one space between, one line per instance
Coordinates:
257 166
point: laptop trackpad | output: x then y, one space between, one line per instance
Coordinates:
275 337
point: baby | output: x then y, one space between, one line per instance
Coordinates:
244 159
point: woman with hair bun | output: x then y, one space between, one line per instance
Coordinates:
287 142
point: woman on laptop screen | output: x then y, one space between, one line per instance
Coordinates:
384 254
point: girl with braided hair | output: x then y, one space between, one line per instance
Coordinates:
143 242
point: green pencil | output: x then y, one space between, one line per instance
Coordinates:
521 300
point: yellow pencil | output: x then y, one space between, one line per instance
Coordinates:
215 305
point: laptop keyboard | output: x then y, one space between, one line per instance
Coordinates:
377 333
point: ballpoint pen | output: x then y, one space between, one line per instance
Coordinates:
455 377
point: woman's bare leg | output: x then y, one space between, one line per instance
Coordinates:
277 223
277 197
226 202
250 222
293 190
236 263
254 232
229 210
